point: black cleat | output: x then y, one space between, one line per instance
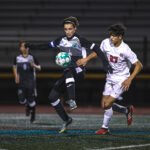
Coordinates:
72 104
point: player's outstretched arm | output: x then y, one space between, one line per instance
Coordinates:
84 61
138 67
37 46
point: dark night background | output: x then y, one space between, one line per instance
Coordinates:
39 21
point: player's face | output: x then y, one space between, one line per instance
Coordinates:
116 40
69 30
23 49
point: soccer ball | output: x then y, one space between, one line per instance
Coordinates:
63 59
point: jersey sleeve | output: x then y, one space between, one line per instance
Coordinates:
43 46
55 43
102 46
131 56
94 47
89 45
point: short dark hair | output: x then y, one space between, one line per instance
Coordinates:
117 29
71 20
22 43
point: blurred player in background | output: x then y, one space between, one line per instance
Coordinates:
119 55
24 69
76 46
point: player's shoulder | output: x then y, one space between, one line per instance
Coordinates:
80 37
106 41
31 56
59 38
18 56
125 47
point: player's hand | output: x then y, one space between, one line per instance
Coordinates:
32 64
81 62
126 84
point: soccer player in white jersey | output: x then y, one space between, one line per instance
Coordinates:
119 55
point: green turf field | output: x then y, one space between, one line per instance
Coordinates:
16 133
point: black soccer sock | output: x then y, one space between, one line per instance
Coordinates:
71 90
61 111
118 108
32 109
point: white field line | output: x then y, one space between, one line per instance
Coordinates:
122 147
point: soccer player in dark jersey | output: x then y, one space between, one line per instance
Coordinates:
24 69
76 46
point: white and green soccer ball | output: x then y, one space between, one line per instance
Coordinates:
63 59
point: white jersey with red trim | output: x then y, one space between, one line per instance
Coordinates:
120 58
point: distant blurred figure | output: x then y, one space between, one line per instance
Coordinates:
24 69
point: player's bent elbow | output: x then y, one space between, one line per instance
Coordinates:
139 65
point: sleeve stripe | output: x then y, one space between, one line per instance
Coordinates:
92 46
52 44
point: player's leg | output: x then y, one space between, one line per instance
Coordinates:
21 96
22 99
128 111
70 86
106 103
31 103
119 108
54 96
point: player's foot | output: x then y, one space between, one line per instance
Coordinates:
27 111
32 111
72 104
129 115
65 124
102 131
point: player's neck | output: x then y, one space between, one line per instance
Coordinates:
25 54
117 44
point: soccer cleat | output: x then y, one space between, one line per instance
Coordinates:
102 131
32 111
129 115
65 124
72 104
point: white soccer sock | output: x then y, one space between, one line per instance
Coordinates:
107 117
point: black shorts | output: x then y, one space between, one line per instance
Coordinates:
26 95
59 87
